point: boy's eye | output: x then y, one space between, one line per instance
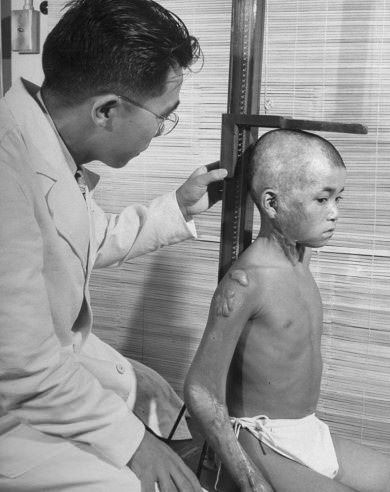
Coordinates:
322 200
339 198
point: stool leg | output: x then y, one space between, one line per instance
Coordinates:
201 459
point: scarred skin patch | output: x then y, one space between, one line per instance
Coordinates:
240 276
226 295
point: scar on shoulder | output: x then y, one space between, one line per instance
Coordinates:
240 276
226 296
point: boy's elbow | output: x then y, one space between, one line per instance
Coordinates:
196 395
209 413
202 403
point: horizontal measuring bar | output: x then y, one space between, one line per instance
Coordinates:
274 121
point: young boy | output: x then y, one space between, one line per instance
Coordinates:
255 380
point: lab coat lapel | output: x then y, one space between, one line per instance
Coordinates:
63 197
69 212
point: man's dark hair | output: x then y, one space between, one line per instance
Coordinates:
120 46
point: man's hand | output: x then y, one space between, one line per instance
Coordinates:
155 463
200 191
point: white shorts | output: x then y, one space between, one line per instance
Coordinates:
306 440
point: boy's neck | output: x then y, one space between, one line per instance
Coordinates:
294 252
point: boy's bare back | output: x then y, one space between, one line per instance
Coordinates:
276 367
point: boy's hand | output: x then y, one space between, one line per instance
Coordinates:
259 486
256 483
155 463
263 487
201 190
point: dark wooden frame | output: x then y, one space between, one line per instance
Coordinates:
5 13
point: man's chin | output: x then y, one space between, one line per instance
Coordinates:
128 159
119 163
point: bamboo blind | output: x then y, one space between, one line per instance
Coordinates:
323 59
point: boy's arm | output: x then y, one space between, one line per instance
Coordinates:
205 386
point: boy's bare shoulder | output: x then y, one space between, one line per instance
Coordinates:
231 291
240 288
248 280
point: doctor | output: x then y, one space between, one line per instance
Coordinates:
113 73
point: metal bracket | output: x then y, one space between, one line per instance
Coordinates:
232 123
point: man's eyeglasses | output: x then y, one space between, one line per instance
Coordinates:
166 123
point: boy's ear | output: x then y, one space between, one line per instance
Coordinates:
269 203
103 109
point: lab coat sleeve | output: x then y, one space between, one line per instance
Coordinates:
41 383
138 229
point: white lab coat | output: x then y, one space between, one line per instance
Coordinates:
63 392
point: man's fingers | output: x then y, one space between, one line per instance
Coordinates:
209 173
205 169
199 171
211 176
166 484
186 482
157 465
183 477
147 485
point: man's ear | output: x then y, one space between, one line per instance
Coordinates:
103 109
269 203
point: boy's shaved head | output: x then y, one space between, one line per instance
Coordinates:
281 160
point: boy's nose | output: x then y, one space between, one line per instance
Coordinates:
333 212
